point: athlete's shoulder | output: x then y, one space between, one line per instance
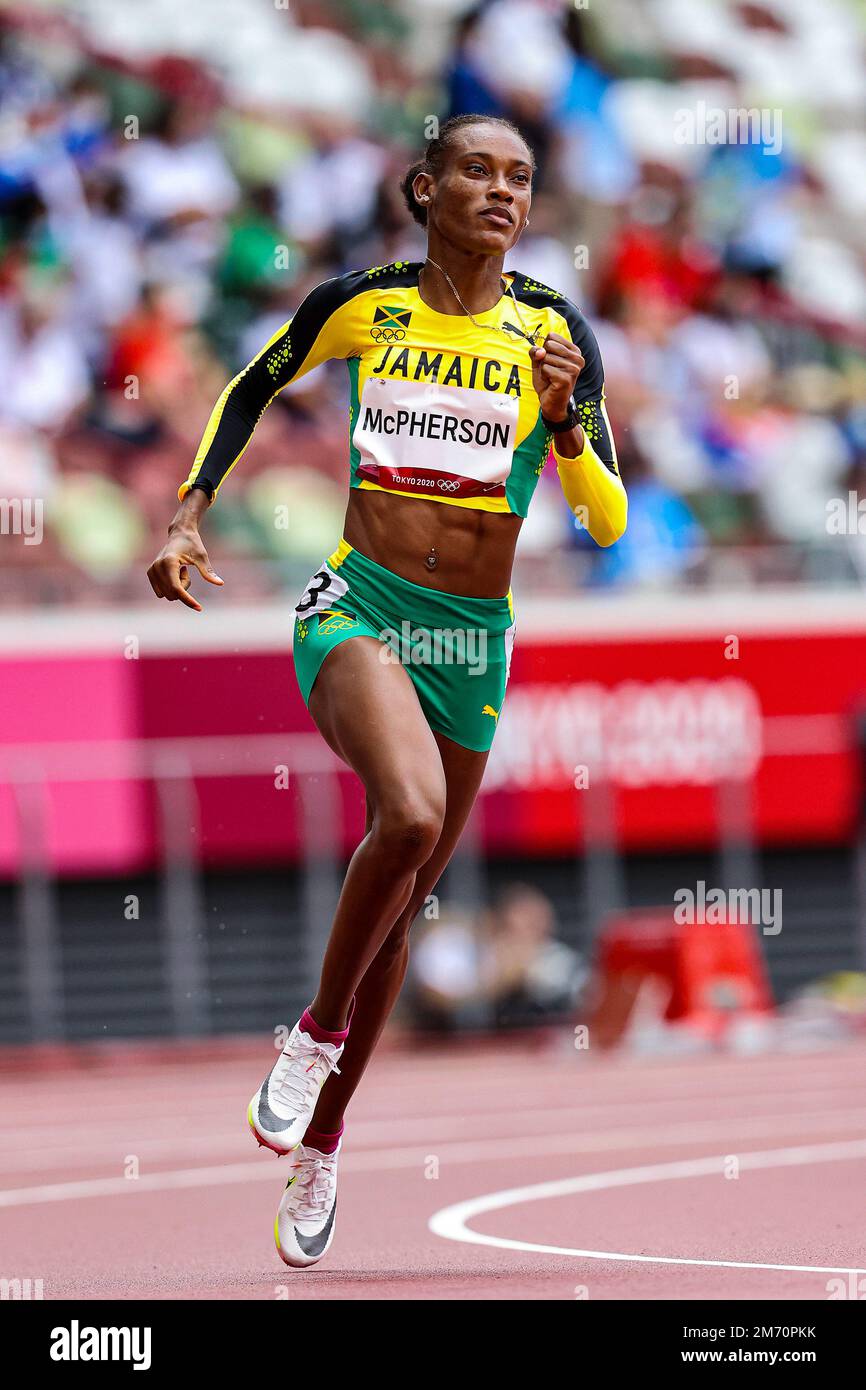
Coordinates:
539 296
333 294
395 275
533 291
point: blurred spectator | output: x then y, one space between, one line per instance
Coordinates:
168 196
329 197
180 187
42 366
100 244
663 540
504 969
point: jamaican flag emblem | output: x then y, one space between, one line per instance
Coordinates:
389 324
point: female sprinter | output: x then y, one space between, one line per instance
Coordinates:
460 378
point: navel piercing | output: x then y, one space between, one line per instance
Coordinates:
432 559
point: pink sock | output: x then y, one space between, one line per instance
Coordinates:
323 1143
324 1035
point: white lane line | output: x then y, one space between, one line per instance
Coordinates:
450 1222
265 1167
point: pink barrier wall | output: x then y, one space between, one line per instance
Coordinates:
100 826
657 716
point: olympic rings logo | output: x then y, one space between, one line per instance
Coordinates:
387 335
447 485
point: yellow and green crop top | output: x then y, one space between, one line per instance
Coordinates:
438 407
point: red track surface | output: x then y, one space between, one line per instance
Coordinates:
197 1222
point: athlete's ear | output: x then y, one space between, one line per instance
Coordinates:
422 188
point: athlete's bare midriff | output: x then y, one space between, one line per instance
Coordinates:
474 549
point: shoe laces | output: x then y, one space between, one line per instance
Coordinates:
295 1083
314 1183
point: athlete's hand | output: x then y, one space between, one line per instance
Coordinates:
556 365
169 574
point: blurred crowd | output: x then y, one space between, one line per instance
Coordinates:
503 967
174 179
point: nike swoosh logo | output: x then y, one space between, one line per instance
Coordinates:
314 1245
267 1118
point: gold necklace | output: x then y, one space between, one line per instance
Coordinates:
500 328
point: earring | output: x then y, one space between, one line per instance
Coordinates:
526 222
425 198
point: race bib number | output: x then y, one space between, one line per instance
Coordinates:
323 591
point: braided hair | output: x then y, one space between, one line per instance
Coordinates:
437 151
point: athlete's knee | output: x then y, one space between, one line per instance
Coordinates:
407 826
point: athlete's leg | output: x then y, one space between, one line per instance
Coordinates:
368 711
378 991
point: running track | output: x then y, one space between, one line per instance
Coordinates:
632 1156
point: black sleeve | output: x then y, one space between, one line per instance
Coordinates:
297 347
588 394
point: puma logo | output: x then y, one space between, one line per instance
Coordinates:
488 709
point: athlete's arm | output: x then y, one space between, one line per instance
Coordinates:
572 371
310 338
